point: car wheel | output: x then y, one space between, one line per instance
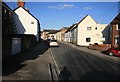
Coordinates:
111 53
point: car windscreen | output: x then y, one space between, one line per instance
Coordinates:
53 40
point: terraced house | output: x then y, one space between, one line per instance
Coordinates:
115 31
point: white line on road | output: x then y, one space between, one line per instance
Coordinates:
51 55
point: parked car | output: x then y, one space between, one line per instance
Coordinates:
53 42
114 51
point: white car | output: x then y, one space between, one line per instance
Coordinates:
53 43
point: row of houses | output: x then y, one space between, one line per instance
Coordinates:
87 31
20 29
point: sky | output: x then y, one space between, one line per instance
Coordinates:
55 15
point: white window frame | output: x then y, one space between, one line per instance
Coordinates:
117 28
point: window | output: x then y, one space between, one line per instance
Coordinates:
5 11
88 39
89 28
95 28
32 22
117 27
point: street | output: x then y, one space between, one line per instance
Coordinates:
75 64
58 63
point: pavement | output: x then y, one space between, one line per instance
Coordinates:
94 52
32 64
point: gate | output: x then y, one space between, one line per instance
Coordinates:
16 45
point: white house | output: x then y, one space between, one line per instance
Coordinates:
87 31
25 22
67 36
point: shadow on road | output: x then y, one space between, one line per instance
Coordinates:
98 75
15 63
64 75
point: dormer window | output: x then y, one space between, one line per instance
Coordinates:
32 22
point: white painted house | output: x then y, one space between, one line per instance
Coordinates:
67 36
26 23
88 31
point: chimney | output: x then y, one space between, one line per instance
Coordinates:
21 3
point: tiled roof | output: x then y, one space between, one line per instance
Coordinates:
116 20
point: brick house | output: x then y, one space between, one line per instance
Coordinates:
115 31
7 30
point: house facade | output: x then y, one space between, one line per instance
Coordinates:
87 31
68 35
115 31
7 30
26 23
45 34
60 34
13 41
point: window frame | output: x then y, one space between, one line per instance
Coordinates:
88 39
89 28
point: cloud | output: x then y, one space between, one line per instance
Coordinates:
63 6
87 8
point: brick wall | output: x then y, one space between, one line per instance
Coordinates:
99 47
6 47
27 42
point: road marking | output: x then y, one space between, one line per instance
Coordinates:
49 72
51 55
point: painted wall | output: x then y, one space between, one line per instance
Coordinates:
67 36
95 35
24 23
74 36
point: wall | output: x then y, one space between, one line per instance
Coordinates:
74 36
95 35
6 46
100 47
27 42
25 20
114 33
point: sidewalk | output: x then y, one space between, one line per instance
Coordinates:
32 64
94 52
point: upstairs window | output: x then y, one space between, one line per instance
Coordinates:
118 27
95 28
89 28
5 11
32 22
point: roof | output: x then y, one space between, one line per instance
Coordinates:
53 32
46 30
63 28
70 28
116 20
3 3
26 11
82 20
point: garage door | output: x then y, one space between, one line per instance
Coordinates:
16 45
